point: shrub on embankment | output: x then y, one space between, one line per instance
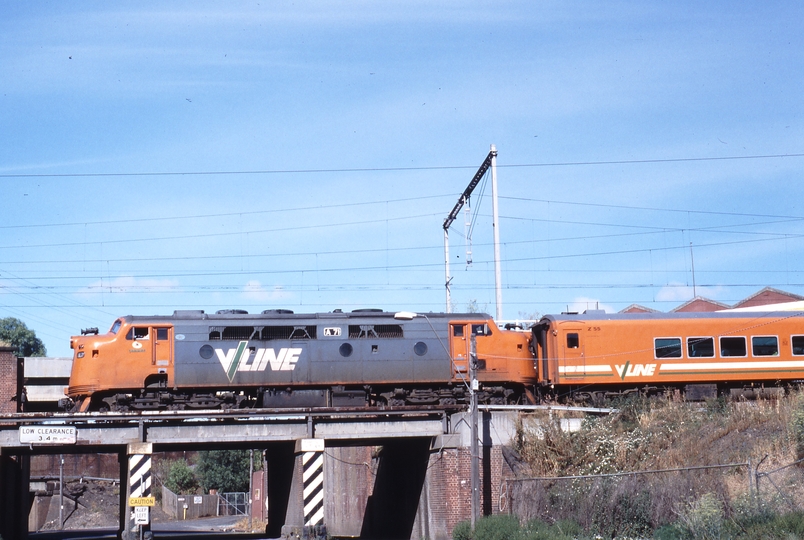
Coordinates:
759 495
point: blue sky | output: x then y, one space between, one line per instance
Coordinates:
207 155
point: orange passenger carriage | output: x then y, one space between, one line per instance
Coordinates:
595 354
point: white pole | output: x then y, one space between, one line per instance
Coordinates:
496 226
446 269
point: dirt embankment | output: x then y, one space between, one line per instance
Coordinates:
87 505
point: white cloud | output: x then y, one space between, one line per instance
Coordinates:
254 290
129 284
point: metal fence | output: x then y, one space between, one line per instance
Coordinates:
640 501
233 504
197 506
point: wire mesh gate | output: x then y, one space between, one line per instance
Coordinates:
233 504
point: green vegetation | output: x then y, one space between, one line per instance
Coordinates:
180 477
758 495
15 333
223 470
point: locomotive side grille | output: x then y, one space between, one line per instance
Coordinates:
266 333
217 333
366 331
288 332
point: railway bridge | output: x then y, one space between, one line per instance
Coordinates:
395 473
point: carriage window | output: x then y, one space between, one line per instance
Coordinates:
764 346
668 347
798 345
700 347
733 346
572 340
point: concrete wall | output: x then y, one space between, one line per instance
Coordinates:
45 379
349 482
76 465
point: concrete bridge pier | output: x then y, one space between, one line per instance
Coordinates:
305 513
392 507
281 460
370 492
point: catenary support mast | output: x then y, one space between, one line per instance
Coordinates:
496 226
489 162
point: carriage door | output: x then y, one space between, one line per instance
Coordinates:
459 348
162 351
574 360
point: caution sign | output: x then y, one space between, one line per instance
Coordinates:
141 501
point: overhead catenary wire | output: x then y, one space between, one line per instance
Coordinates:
85 275
396 169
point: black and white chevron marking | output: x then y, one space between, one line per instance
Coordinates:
139 472
313 478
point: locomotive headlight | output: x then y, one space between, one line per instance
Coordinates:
80 355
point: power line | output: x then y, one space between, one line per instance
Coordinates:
654 230
229 214
650 229
209 235
652 209
412 266
393 169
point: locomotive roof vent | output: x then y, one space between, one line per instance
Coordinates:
367 310
277 312
188 313
231 312
595 312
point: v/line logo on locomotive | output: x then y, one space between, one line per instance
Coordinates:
240 359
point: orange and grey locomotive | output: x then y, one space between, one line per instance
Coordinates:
233 359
